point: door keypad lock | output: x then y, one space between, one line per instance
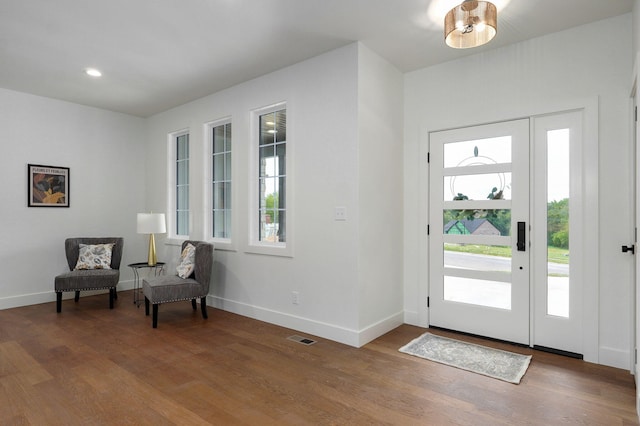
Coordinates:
521 244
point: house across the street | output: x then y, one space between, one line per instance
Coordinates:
471 227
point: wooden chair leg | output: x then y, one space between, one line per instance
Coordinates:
155 316
58 301
146 306
112 292
77 296
193 304
203 307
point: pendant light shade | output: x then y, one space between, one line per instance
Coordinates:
470 24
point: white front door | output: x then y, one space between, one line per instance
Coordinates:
508 231
479 230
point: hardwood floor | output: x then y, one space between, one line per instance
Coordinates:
90 365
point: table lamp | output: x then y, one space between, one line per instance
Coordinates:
152 223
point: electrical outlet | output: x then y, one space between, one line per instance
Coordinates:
340 213
295 297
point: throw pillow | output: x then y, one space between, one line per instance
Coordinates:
95 256
187 259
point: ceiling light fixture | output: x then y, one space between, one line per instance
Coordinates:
470 24
93 72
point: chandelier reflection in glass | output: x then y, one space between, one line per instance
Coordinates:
497 190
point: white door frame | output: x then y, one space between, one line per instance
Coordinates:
635 188
548 331
590 206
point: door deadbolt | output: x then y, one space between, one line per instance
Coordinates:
631 248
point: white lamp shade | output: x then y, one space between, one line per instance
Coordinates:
151 223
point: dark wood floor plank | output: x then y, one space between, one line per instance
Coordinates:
92 365
23 363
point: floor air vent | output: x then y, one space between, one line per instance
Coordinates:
303 340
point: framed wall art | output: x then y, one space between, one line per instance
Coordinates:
48 186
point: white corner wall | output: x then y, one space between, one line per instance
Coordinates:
380 159
534 77
103 151
322 107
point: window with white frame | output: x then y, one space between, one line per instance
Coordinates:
181 188
221 180
272 177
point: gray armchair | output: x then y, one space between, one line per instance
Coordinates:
172 288
89 279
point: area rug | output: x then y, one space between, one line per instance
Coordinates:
503 365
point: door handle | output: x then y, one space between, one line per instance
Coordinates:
521 244
631 248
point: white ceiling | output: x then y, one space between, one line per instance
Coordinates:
158 54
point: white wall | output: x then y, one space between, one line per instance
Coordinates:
103 151
323 137
380 141
534 77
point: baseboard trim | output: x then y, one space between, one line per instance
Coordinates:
411 318
304 325
381 327
27 299
9 302
614 358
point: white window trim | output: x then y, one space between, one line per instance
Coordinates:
220 243
172 237
254 245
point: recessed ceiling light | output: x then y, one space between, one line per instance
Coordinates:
93 72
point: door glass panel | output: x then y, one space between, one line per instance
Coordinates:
558 222
493 294
489 186
483 222
477 222
477 152
477 257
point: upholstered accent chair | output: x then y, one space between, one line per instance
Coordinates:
173 288
84 276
